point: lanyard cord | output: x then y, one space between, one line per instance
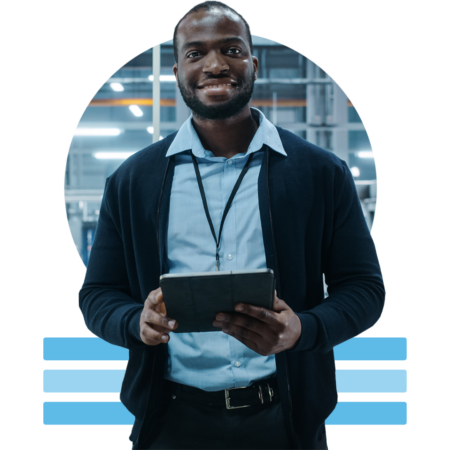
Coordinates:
228 205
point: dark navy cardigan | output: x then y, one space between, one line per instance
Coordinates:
312 225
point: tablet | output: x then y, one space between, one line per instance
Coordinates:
194 299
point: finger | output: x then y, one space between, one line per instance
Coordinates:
260 313
151 336
279 305
247 337
153 317
154 298
241 320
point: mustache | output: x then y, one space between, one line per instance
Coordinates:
218 76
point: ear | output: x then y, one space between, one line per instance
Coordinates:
175 71
255 65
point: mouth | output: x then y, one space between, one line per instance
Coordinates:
217 85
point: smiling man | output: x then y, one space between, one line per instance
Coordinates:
295 211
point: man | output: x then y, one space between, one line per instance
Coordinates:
296 211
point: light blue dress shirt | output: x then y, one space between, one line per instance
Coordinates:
214 361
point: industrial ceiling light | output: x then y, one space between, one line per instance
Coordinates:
136 110
164 78
116 87
97 132
365 154
355 171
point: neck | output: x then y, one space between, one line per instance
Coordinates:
227 137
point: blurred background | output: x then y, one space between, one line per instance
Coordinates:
291 91
402 176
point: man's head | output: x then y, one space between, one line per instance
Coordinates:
214 67
208 5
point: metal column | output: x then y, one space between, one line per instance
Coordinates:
156 93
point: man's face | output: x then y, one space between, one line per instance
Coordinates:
215 70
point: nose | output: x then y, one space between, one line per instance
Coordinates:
214 63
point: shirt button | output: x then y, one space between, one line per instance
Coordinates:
230 256
230 162
237 364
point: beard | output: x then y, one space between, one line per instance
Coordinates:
223 110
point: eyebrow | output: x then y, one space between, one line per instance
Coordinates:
222 41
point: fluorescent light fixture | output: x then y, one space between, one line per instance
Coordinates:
136 110
97 132
116 87
365 154
112 155
164 78
355 171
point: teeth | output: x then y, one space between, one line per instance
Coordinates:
215 86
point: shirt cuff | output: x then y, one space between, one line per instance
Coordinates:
308 335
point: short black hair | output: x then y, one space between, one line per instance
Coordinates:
208 6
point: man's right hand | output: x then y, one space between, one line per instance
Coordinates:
155 325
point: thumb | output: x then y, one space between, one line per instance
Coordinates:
278 304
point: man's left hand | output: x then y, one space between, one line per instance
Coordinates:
264 331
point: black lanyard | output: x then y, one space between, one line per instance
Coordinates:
228 205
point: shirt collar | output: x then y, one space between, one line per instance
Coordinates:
187 138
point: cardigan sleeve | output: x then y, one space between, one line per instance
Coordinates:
352 273
105 299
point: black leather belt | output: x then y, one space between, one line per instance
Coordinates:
262 392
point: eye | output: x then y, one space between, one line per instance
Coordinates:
234 51
192 55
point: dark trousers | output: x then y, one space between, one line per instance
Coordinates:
185 424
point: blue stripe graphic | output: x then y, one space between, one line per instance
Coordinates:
371 380
368 413
371 349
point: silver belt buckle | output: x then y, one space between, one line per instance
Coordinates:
270 391
227 399
261 396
